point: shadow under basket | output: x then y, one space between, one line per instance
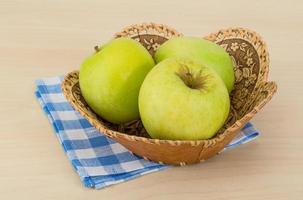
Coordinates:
251 92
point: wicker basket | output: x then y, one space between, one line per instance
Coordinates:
252 91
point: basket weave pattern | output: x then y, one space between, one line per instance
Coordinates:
252 91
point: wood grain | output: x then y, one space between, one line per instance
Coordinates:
47 38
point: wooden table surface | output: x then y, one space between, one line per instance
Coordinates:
48 38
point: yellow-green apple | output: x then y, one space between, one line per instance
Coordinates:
203 51
111 78
181 99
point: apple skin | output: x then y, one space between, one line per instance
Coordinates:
169 109
110 79
204 51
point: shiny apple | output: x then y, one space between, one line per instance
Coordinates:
111 78
181 99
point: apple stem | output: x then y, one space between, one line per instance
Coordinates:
193 81
97 49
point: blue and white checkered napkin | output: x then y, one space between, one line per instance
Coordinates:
98 160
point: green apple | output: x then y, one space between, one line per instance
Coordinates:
203 51
111 78
181 99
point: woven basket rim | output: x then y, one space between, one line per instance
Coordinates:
258 42
159 27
